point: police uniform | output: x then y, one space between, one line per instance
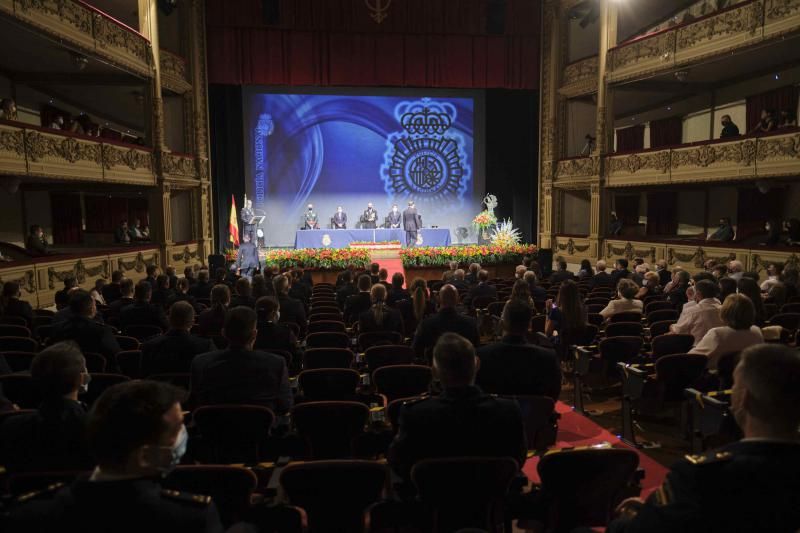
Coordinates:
750 485
412 223
458 422
311 221
248 228
369 219
122 506
247 259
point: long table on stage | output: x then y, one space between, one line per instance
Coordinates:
341 238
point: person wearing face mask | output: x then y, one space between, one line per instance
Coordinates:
724 232
80 326
339 219
54 436
395 218
729 129
136 434
369 219
749 485
272 335
310 219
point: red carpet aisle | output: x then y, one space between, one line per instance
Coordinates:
577 430
390 260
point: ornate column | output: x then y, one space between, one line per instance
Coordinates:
608 39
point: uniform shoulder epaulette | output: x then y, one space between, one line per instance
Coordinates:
414 401
42 493
709 458
186 497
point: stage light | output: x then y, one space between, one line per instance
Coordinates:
777 76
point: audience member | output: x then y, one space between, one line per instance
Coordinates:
243 295
719 271
136 435
724 232
791 280
793 231
173 278
472 277
112 291
601 277
240 375
152 275
122 234
787 119
462 420
380 317
96 292
750 288
202 289
739 331
566 316
360 302
8 109
615 225
174 351
664 275
181 294
729 128
446 320
35 242
188 274
749 485
345 289
677 294
141 312
620 271
125 299
650 286
459 281
162 293
291 310
768 122
774 272
726 286
297 289
212 320
696 320
585 272
513 366
54 436
482 290
673 279
11 305
625 302
272 335
81 327
396 290
773 233
260 287
62 296
521 292
561 274
537 293
374 270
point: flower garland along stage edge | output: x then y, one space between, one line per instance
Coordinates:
483 254
318 258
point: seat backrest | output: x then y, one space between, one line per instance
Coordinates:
328 428
620 349
596 319
95 362
325 316
464 492
662 314
230 487
596 300
791 308
22 390
142 332
790 321
671 343
389 354
537 323
678 372
181 380
402 381
327 358
18 344
627 329
595 308
99 383
19 361
496 308
328 384
128 343
725 365
379 338
328 340
334 494
233 433
540 420
657 305
660 328
582 487
11 330
319 326
627 316
129 363
394 408
324 309
13 320
482 302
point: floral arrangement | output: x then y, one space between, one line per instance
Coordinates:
371 243
317 258
484 219
484 254
505 234
231 254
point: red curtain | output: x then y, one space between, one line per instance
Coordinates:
137 208
630 139
66 212
104 214
666 132
775 100
421 43
662 213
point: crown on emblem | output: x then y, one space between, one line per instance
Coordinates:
426 117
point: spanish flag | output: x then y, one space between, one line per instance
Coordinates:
233 225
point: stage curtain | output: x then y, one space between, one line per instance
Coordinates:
66 212
630 139
666 132
98 214
662 213
776 100
421 43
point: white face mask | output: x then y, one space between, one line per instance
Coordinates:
277 316
86 378
167 463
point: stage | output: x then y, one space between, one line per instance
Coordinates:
342 238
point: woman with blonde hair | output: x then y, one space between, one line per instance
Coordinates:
380 316
650 287
739 331
626 302
521 292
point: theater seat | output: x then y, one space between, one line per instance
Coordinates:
233 433
402 381
99 383
378 338
386 355
327 358
141 332
21 390
18 344
671 343
329 384
11 330
328 340
328 429
230 487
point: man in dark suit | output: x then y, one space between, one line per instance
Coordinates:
141 312
13 305
173 278
412 223
537 293
212 320
188 273
346 289
462 420
515 367
677 294
272 335
481 290
664 275
163 292
81 327
152 275
136 435
621 271
360 301
62 296
181 294
247 215
395 217
125 299
240 375
35 242
369 219
472 275
291 310
244 294
122 234
459 280
202 289
561 274
750 485
447 320
174 351
112 292
601 278
339 219
53 437
247 260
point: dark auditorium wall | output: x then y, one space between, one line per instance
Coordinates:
512 155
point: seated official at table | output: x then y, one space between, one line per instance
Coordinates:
339 220
310 219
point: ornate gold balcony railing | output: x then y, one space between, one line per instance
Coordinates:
87 28
579 78
31 151
174 74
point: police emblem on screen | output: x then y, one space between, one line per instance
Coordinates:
426 161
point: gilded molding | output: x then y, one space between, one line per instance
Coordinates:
659 46
778 147
741 153
570 247
130 157
26 282
78 271
174 73
778 9
577 167
632 163
629 251
698 258
186 256
109 34
582 72
39 146
66 11
744 19
757 263
178 165
138 264
13 141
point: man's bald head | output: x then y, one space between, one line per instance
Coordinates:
448 296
